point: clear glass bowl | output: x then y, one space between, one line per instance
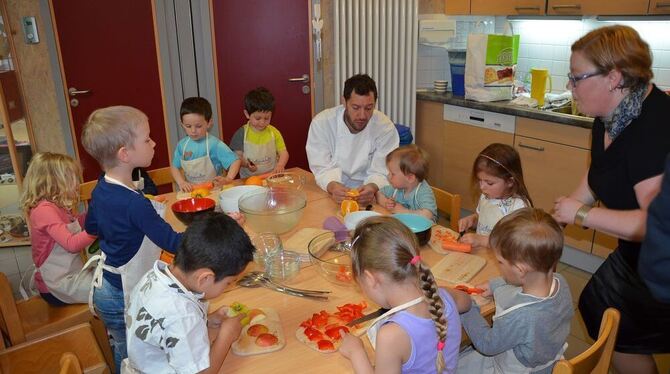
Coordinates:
282 265
266 244
276 211
332 259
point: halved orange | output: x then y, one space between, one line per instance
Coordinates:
348 206
353 193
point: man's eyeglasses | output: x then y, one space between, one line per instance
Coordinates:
574 79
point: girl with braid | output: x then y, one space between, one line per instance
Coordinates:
533 304
421 333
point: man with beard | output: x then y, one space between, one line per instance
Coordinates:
347 145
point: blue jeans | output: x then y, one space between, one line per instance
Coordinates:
109 305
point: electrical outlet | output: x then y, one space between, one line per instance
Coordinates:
30 30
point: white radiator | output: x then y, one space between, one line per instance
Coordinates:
379 38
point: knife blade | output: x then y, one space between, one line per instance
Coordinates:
368 317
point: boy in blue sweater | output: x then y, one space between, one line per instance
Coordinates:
130 227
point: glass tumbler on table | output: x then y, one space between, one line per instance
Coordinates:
267 244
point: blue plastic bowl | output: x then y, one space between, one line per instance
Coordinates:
419 225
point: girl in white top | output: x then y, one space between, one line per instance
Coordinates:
498 175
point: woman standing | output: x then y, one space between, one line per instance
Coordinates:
610 74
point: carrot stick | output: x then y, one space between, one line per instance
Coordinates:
456 246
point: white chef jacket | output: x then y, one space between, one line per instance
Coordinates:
335 154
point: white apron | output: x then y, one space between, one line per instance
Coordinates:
135 268
264 156
63 273
139 183
198 170
506 362
379 321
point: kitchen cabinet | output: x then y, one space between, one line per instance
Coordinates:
430 136
456 7
597 7
507 7
554 159
495 7
659 7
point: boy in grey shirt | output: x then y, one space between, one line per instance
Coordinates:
533 305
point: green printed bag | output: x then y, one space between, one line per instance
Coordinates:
490 66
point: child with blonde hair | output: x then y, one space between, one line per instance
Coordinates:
408 191
533 304
421 333
131 228
498 176
49 198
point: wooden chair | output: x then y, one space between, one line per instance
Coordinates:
448 203
86 189
47 354
69 364
27 320
596 359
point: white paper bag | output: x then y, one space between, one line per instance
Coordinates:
490 65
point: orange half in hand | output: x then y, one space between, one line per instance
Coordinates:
348 206
254 180
353 193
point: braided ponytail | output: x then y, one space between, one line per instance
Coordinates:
429 288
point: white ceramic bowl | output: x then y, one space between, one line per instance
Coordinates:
352 219
229 198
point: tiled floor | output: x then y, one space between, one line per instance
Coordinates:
579 340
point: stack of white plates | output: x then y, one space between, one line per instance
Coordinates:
440 86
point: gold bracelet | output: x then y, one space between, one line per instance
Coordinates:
581 214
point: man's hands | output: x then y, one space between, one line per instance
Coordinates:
366 193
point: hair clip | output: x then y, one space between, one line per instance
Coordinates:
440 346
415 260
497 162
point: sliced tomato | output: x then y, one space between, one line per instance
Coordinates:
320 319
313 334
334 332
266 340
257 329
325 345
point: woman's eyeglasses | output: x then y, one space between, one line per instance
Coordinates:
574 79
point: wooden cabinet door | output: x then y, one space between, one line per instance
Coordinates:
551 170
430 131
659 7
462 145
507 7
604 244
597 7
456 7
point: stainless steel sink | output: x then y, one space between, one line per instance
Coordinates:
567 110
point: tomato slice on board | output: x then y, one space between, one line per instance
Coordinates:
334 333
325 345
266 340
257 329
313 334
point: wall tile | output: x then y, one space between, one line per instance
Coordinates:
9 266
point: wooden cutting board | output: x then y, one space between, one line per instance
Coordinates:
245 345
457 267
300 240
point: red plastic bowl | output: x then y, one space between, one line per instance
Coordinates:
187 210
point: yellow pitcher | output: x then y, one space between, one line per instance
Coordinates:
538 84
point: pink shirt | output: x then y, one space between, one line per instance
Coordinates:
48 225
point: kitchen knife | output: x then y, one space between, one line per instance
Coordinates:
368 317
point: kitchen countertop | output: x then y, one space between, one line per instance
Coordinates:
505 108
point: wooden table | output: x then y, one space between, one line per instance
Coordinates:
296 357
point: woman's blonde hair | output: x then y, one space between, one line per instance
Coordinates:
530 236
53 177
385 245
502 161
109 129
411 160
618 47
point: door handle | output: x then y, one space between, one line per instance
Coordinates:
533 147
567 6
304 78
74 92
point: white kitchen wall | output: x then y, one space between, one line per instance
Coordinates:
546 44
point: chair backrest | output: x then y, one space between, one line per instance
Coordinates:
161 176
69 364
86 189
596 359
450 204
10 322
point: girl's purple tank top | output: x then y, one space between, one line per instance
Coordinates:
424 338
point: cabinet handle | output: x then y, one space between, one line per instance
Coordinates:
567 6
533 147
663 5
522 8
